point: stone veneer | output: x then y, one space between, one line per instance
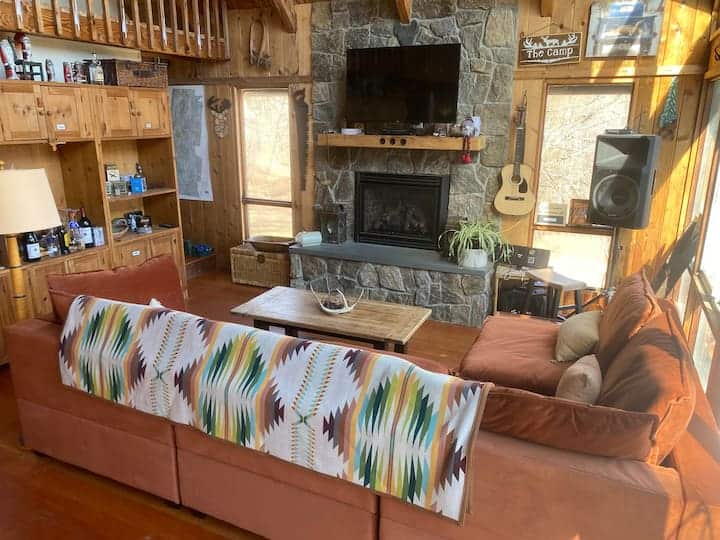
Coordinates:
452 297
487 30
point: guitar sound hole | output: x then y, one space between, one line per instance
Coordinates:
523 187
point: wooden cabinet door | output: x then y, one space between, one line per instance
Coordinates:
132 253
151 112
37 281
68 112
170 245
7 310
87 262
116 113
21 112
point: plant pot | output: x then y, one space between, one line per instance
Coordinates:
474 258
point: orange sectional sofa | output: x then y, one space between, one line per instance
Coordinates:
543 468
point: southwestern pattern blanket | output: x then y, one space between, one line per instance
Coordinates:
375 420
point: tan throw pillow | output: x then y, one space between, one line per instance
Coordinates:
582 381
578 336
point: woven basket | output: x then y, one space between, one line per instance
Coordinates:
131 73
260 268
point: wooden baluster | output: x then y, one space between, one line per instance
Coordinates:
136 18
123 21
91 20
19 17
163 25
109 37
174 22
196 24
75 14
226 31
216 9
58 17
39 24
208 30
150 24
186 24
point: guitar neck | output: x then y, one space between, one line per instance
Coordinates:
519 148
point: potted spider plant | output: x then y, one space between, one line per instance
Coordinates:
474 242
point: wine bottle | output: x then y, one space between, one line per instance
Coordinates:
32 247
86 232
63 240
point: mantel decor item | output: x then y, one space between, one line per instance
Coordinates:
333 224
474 242
334 302
550 49
26 204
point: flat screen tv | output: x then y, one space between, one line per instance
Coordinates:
406 85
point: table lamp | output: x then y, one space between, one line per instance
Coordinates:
26 204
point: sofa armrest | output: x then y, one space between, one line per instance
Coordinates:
696 457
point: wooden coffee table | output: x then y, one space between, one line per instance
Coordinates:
383 325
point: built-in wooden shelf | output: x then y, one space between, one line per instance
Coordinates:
152 192
157 232
406 142
48 261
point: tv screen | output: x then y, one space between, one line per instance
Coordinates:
403 84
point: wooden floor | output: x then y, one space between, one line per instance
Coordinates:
41 498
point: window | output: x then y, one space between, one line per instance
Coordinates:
267 170
574 117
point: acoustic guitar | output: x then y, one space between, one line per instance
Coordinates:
515 197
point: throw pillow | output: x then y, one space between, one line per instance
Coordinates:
578 336
582 381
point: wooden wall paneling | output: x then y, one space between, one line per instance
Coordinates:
80 160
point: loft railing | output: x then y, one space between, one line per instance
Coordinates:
194 28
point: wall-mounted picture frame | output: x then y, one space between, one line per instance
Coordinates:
578 212
624 28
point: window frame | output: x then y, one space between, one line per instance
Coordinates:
701 303
594 231
246 201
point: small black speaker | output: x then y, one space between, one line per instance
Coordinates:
623 180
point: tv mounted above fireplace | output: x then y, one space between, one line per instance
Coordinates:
406 85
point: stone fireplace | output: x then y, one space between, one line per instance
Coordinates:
400 209
487 32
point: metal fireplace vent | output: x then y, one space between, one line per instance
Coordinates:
400 210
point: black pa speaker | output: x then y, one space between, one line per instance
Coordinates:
623 179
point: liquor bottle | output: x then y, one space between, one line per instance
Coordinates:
32 247
52 243
99 72
138 184
63 240
86 232
74 237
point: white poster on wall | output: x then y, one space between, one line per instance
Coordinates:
191 142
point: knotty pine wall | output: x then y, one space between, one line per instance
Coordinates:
683 52
219 223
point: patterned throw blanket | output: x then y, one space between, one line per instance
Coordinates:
372 419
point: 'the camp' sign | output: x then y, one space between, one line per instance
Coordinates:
551 49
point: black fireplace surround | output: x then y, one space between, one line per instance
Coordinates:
400 210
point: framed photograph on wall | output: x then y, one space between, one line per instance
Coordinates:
578 212
624 28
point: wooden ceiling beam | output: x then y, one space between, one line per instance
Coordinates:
404 9
286 11
546 8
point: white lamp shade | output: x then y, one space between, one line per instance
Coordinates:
26 201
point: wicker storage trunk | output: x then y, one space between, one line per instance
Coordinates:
260 268
131 73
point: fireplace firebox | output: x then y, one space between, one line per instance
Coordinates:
400 210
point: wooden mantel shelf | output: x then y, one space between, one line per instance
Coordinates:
407 142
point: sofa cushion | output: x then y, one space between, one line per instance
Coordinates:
569 425
515 351
582 381
631 307
652 374
578 336
157 278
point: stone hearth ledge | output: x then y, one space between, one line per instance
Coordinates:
399 275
